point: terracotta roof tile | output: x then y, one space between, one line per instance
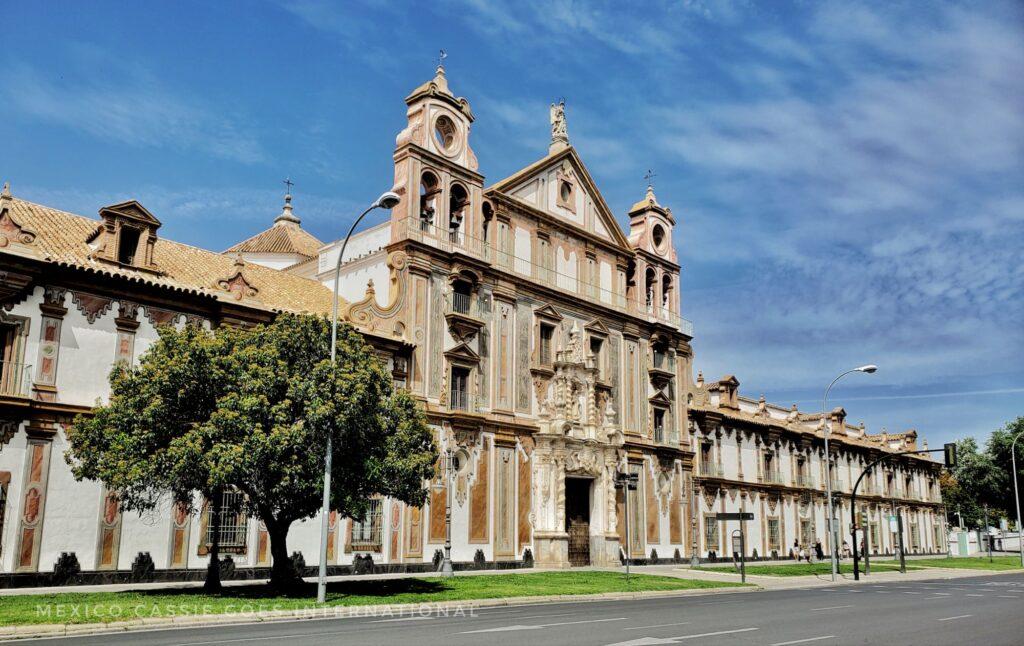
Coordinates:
61 239
283 237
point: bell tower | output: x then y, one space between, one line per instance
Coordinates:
435 167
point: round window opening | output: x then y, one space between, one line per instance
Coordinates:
444 133
658 234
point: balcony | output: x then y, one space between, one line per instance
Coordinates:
458 400
460 311
804 481
15 379
771 477
708 470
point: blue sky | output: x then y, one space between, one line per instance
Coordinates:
849 178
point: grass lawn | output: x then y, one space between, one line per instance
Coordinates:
97 607
820 568
972 563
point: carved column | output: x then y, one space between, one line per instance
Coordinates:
37 469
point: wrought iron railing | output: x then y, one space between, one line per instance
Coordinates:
15 379
458 400
461 303
711 470
805 481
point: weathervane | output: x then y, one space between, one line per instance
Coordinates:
650 178
441 55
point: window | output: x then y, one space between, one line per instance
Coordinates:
806 532
234 523
458 202
565 191
666 292
774 537
769 467
461 297
547 336
596 345
366 534
488 216
5 480
445 133
660 356
710 533
915 537
127 244
14 379
649 290
659 425
459 399
705 459
429 190
658 235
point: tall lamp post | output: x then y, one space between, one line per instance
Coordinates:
387 200
1016 496
832 534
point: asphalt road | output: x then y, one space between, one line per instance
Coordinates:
987 611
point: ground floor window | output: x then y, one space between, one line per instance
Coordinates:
5 479
711 533
774 536
807 532
367 535
234 523
939 539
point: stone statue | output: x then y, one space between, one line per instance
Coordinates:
559 134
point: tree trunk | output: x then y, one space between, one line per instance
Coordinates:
212 583
282 572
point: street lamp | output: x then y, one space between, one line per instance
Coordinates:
1016 496
388 200
452 465
833 536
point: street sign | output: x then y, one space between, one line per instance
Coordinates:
892 524
734 515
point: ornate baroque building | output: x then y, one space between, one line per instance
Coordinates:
545 343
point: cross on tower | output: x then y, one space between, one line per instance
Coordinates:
289 183
441 55
650 178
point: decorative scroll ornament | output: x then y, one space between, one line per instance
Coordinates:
237 285
92 307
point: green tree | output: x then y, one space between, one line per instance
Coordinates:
973 483
252 410
998 448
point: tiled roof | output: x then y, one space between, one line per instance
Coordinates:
283 237
60 238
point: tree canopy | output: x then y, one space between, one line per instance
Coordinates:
983 477
251 409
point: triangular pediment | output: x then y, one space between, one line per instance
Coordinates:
539 185
598 326
463 352
547 312
661 399
132 210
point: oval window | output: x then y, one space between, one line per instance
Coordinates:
444 133
658 235
565 191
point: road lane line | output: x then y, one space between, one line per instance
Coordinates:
956 617
681 623
830 608
501 629
920 593
562 614
720 632
804 641
974 595
388 621
1006 596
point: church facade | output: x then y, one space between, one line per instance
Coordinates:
545 343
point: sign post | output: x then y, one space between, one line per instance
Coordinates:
740 516
626 482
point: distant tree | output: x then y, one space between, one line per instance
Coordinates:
256 420
998 448
974 482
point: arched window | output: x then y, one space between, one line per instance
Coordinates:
488 216
430 188
458 206
666 291
649 288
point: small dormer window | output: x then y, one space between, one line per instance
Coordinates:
127 244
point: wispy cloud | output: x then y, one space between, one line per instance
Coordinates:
116 101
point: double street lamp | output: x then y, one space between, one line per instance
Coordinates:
832 533
388 200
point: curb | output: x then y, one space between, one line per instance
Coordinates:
338 612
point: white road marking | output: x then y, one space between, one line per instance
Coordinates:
561 614
830 608
956 617
500 629
920 593
942 594
804 641
1006 596
974 595
720 632
388 621
681 623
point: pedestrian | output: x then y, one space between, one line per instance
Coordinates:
818 552
804 556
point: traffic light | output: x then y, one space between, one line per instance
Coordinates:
862 519
949 452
